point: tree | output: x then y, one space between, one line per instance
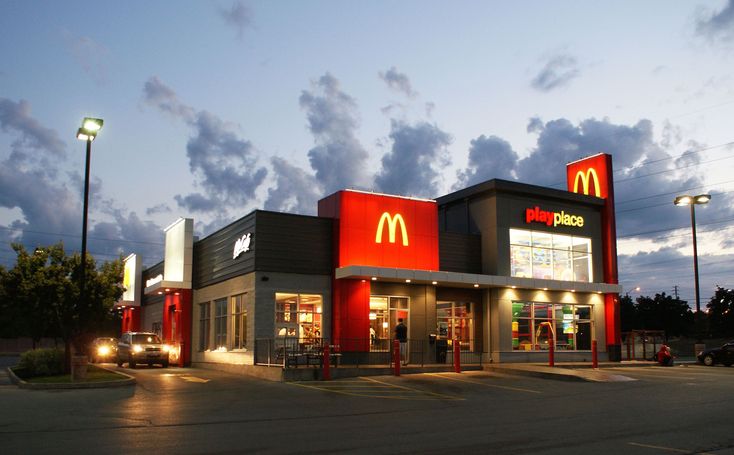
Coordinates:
720 311
47 298
663 312
628 313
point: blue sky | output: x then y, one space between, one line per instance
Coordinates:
213 109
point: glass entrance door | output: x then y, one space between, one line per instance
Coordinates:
455 320
384 314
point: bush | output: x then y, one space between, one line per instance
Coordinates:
42 362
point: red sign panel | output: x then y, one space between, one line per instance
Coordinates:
590 176
383 231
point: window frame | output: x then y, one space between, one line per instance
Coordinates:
529 257
239 321
205 321
533 322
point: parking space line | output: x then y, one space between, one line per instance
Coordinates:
516 389
372 388
666 449
657 374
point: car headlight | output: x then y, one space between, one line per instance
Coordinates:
103 350
165 348
700 354
137 348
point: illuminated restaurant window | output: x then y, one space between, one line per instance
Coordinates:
220 324
535 254
239 321
298 315
384 314
533 324
455 320
204 321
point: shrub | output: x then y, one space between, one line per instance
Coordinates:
42 362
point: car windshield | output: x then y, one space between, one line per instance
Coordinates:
105 341
146 338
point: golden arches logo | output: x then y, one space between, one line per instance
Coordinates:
586 178
392 223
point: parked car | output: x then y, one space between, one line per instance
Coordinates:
723 355
142 347
103 349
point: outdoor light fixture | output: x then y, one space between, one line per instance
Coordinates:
88 131
692 201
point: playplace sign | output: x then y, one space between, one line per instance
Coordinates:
549 218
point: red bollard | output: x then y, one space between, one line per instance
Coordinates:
594 355
551 354
457 357
396 356
327 365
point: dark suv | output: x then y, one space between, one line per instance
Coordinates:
141 347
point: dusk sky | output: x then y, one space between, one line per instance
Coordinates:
215 108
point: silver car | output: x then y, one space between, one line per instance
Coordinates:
142 347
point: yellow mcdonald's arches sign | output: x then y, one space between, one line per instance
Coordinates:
586 178
392 223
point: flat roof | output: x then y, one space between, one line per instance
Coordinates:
510 187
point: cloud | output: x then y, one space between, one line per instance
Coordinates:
412 167
397 81
489 157
557 72
225 165
157 94
160 208
295 190
16 118
239 17
90 55
717 27
338 158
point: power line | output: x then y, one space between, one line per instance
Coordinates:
78 236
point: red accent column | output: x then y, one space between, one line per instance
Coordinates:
351 314
396 356
551 354
457 357
130 320
594 355
185 304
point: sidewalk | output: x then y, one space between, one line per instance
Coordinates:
575 371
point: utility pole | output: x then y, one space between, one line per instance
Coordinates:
675 291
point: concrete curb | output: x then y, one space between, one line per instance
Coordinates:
129 380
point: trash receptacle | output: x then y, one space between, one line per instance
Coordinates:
442 347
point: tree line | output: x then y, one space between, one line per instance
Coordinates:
40 297
675 317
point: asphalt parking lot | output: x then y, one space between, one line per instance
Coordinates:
682 409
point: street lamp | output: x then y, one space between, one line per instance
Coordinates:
88 132
692 201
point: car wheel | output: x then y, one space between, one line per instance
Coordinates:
709 360
164 364
119 363
727 364
131 362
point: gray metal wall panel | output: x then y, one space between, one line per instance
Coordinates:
213 255
460 252
294 243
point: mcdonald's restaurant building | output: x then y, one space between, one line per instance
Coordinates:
504 268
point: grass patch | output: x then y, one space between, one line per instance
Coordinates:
94 374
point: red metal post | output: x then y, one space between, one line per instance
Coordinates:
457 357
551 354
594 355
396 356
327 365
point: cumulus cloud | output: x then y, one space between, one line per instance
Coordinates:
557 72
160 208
16 118
717 26
225 165
397 81
48 200
489 157
295 190
412 167
238 16
90 55
338 157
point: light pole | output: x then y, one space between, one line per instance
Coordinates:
88 132
693 201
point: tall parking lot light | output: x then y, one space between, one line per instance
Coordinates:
692 201
88 132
